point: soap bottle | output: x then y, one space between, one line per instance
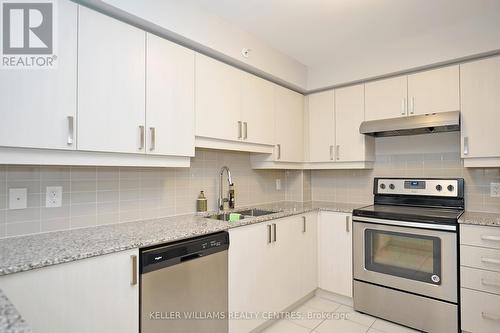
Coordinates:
201 203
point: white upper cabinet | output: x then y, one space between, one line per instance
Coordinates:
38 107
217 99
350 145
433 91
321 126
386 99
480 93
169 98
111 76
289 107
257 110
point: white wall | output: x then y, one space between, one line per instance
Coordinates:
467 38
213 32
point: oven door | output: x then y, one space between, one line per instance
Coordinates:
404 256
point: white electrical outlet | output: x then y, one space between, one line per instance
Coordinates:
495 190
53 196
278 184
18 198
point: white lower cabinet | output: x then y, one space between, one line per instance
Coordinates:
335 252
480 278
95 295
267 270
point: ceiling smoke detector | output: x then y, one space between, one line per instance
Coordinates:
246 52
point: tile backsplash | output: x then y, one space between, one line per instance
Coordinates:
418 156
106 195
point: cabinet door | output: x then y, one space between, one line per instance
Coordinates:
111 84
335 253
289 125
217 96
251 274
308 234
89 295
169 98
349 114
386 99
257 110
321 126
480 87
434 91
38 107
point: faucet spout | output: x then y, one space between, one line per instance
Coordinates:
230 198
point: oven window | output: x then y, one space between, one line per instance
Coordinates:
404 255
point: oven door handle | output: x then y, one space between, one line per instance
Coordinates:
445 227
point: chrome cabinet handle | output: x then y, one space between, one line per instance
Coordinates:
331 152
274 232
304 224
403 106
337 153
133 281
71 130
245 130
466 145
278 146
347 227
152 131
412 105
490 283
491 238
488 316
239 130
491 261
269 234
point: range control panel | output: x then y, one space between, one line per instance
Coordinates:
424 187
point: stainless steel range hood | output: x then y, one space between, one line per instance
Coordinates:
422 124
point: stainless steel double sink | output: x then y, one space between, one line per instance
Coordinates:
243 214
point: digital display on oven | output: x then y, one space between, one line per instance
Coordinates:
415 184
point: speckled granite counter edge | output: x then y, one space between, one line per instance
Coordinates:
480 218
196 228
10 319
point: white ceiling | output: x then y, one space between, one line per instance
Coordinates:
315 31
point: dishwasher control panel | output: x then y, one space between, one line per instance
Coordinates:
162 256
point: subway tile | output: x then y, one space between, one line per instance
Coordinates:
52 173
32 186
108 208
130 173
3 202
127 195
108 173
55 224
127 184
83 197
23 173
130 215
22 215
83 221
65 184
83 209
50 213
22 228
83 185
108 196
83 173
108 218
108 185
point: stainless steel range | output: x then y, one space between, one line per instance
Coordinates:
405 250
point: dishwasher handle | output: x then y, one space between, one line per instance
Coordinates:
191 257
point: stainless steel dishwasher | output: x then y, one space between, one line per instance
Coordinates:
184 286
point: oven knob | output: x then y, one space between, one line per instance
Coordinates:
382 186
435 279
392 187
451 188
439 188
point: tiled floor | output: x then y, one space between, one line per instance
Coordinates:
322 315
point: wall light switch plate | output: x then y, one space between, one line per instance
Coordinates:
495 190
53 196
278 184
18 198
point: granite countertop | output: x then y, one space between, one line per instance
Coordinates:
480 218
10 320
24 253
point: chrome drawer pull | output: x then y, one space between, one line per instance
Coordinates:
490 316
491 238
239 130
71 130
269 234
490 283
133 280
491 261
304 224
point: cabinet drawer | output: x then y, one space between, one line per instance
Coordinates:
480 236
479 257
478 279
480 312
